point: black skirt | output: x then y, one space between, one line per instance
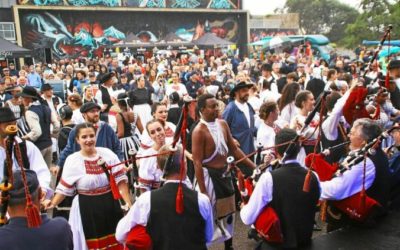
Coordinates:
100 215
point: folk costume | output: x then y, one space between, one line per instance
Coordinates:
219 187
105 137
155 211
311 133
130 140
94 212
140 100
346 190
149 174
282 189
334 132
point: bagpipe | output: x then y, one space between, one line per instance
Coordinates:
138 238
355 106
358 206
267 223
31 210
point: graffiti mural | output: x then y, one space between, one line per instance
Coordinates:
87 33
186 4
83 39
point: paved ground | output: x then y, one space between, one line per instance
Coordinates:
240 240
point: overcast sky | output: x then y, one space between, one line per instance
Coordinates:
265 7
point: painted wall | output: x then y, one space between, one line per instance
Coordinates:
71 33
187 4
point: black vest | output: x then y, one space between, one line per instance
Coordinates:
105 98
294 207
380 189
336 154
44 113
171 231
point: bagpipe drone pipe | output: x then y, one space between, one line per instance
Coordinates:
267 223
31 210
138 238
355 106
358 206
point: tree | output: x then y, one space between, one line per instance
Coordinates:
372 22
328 17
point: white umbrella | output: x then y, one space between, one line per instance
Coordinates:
279 41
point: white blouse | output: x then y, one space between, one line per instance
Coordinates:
148 169
82 174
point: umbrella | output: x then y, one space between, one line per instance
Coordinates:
10 50
172 37
262 42
391 50
210 39
131 38
278 41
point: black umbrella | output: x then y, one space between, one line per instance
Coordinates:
131 38
10 50
210 39
172 37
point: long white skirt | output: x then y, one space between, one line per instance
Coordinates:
75 222
144 112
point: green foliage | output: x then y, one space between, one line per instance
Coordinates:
328 17
372 22
344 24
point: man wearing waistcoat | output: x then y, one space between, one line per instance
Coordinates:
282 189
156 211
372 174
39 118
103 95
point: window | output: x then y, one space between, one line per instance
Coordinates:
7 31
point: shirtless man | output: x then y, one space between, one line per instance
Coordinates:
212 142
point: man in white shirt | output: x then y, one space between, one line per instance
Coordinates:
158 212
371 174
282 190
30 154
39 118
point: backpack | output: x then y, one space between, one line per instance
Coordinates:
63 137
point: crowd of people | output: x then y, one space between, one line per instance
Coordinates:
77 148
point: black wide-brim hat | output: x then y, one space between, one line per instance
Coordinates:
29 91
6 115
46 87
240 85
11 88
107 77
